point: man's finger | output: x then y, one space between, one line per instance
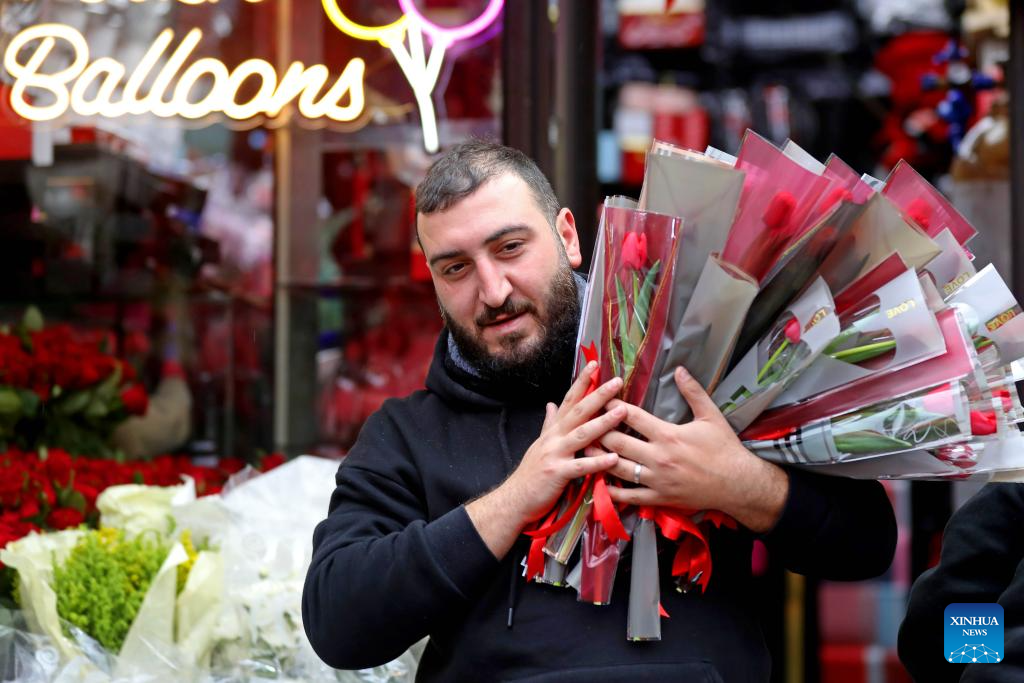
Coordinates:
589 432
625 470
581 467
628 447
572 416
550 410
579 387
639 419
638 496
699 401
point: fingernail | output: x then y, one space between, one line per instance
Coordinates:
682 372
592 365
612 457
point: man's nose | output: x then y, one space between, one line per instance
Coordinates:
494 286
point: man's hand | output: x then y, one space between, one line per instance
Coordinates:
701 465
550 463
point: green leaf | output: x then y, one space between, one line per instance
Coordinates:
107 389
866 442
859 354
628 352
75 499
29 401
74 402
636 287
643 299
96 409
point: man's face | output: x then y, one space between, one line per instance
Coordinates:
502 277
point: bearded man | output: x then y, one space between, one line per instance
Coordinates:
423 536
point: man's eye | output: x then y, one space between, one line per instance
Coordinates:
454 269
511 247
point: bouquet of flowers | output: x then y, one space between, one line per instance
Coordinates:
60 388
836 320
121 595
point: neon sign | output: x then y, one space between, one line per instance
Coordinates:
421 70
104 87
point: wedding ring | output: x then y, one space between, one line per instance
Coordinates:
637 469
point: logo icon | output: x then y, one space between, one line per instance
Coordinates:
973 633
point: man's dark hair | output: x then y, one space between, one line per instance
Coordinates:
468 165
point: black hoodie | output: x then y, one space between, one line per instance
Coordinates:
398 559
982 560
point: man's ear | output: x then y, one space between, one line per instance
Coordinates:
565 226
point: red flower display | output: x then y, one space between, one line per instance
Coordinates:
53 490
59 388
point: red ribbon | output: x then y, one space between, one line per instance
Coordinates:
693 555
590 355
551 525
605 512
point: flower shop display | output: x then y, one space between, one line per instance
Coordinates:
178 587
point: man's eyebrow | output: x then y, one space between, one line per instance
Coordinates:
493 237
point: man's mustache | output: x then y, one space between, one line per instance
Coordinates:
509 309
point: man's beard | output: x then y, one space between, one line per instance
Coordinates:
519 362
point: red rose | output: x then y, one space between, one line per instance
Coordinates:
45 489
634 250
983 423
231 465
64 518
135 400
88 492
89 374
58 465
792 331
12 482
271 461
777 215
12 530
29 507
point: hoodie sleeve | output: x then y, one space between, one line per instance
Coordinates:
982 549
382 575
834 528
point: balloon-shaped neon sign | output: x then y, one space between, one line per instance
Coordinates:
420 69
